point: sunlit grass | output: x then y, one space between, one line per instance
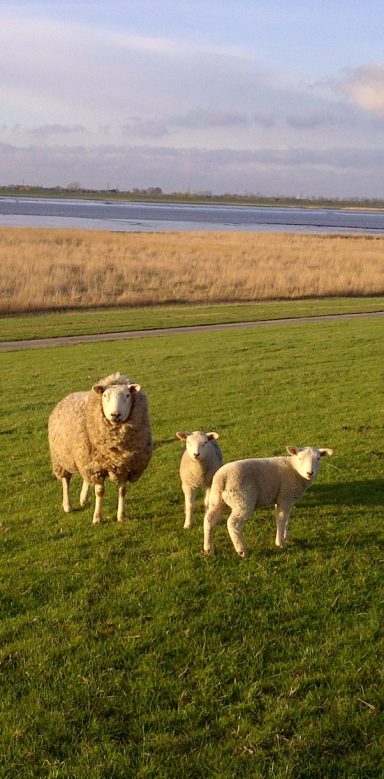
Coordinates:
123 651
110 320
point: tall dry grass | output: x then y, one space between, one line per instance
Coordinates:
46 269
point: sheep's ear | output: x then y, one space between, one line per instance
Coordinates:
293 449
212 435
326 452
98 388
133 388
182 436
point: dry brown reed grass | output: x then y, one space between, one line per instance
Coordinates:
47 269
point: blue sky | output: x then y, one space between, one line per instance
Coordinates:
247 96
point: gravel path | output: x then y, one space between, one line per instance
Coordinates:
69 340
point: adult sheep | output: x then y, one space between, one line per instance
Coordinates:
102 433
200 461
244 485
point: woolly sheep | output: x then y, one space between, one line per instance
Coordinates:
200 461
244 485
104 432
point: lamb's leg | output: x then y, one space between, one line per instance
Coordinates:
206 497
121 503
235 529
189 495
211 518
282 520
67 507
98 512
84 493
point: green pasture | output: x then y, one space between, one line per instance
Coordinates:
124 652
110 320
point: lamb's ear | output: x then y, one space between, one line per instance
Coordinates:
293 449
98 388
326 452
134 388
212 435
183 436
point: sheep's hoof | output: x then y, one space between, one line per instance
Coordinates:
97 520
187 526
243 554
209 552
67 509
122 519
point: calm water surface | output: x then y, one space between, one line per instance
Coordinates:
160 217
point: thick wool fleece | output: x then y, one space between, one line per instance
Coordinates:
82 440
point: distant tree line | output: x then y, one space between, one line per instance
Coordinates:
74 189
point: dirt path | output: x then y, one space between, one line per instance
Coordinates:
69 340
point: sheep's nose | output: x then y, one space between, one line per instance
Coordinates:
115 416
196 455
309 474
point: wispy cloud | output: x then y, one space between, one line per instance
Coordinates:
55 130
96 102
366 87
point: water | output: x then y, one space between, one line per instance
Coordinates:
160 217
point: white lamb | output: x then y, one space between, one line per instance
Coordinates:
244 485
200 461
102 433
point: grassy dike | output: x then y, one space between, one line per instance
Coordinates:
112 320
124 652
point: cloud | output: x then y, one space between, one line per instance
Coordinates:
83 103
53 130
203 118
311 119
141 127
366 87
264 118
72 74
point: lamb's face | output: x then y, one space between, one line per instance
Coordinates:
197 443
117 401
306 460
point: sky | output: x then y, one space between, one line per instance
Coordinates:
265 97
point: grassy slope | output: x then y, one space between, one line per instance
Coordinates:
114 320
124 652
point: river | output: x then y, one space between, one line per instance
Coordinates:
127 216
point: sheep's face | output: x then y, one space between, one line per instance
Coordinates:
306 460
197 443
117 401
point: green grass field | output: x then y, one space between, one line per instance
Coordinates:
109 320
124 651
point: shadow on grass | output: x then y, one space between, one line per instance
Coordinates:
369 492
164 442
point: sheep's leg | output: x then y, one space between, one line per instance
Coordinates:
206 497
282 520
211 518
189 495
84 493
98 512
286 531
235 529
67 507
121 502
